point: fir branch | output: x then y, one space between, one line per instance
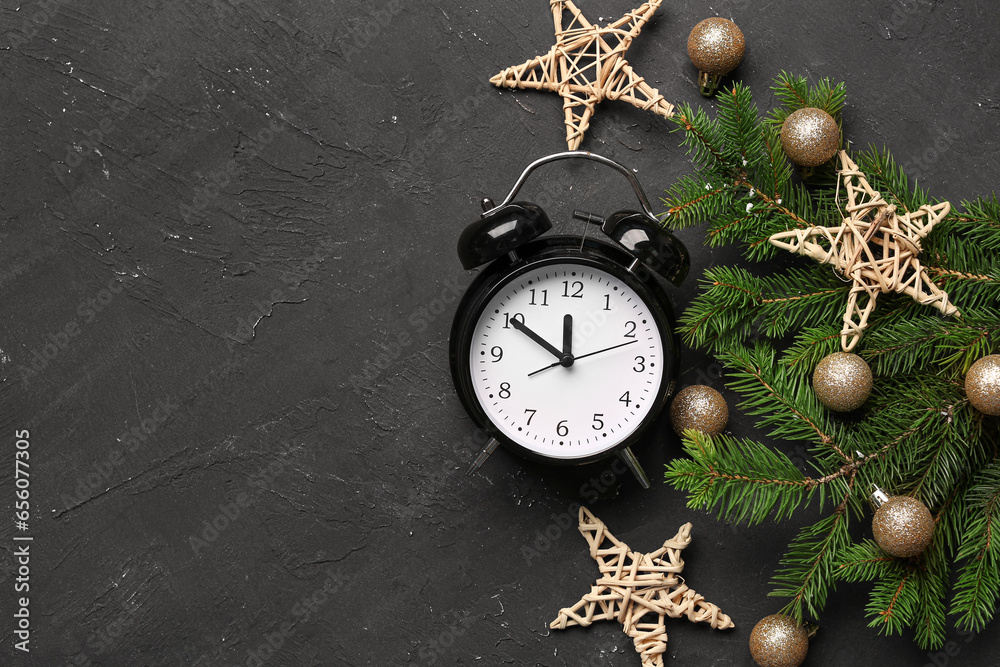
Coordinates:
949 520
926 341
981 216
978 585
717 312
784 400
772 168
775 205
783 302
938 272
702 136
739 479
738 120
932 585
806 573
866 561
828 97
691 201
967 240
906 593
792 90
893 602
916 434
717 233
811 345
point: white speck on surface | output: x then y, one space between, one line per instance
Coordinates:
749 207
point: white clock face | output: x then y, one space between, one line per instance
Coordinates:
566 360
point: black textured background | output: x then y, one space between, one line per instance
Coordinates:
233 223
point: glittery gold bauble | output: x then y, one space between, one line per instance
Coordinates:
701 408
903 526
779 641
716 46
982 385
810 137
842 381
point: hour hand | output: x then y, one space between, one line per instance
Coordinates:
517 324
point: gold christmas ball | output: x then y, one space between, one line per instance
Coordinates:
982 385
842 381
716 46
779 641
701 408
810 137
903 526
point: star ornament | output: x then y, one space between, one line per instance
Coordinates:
638 590
586 65
875 247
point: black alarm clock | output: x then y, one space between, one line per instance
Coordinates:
563 349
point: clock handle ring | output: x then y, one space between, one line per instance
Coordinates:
586 155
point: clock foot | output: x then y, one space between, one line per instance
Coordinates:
628 458
490 447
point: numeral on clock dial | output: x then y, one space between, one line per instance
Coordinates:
576 289
507 317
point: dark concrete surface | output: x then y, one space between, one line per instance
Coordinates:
228 273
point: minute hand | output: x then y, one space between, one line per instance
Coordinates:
590 354
584 356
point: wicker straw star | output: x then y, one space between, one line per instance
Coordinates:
875 247
587 65
638 590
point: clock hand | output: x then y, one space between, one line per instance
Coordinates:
538 339
568 335
584 356
553 365
590 354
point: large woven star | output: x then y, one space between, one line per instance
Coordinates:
587 65
874 247
638 590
